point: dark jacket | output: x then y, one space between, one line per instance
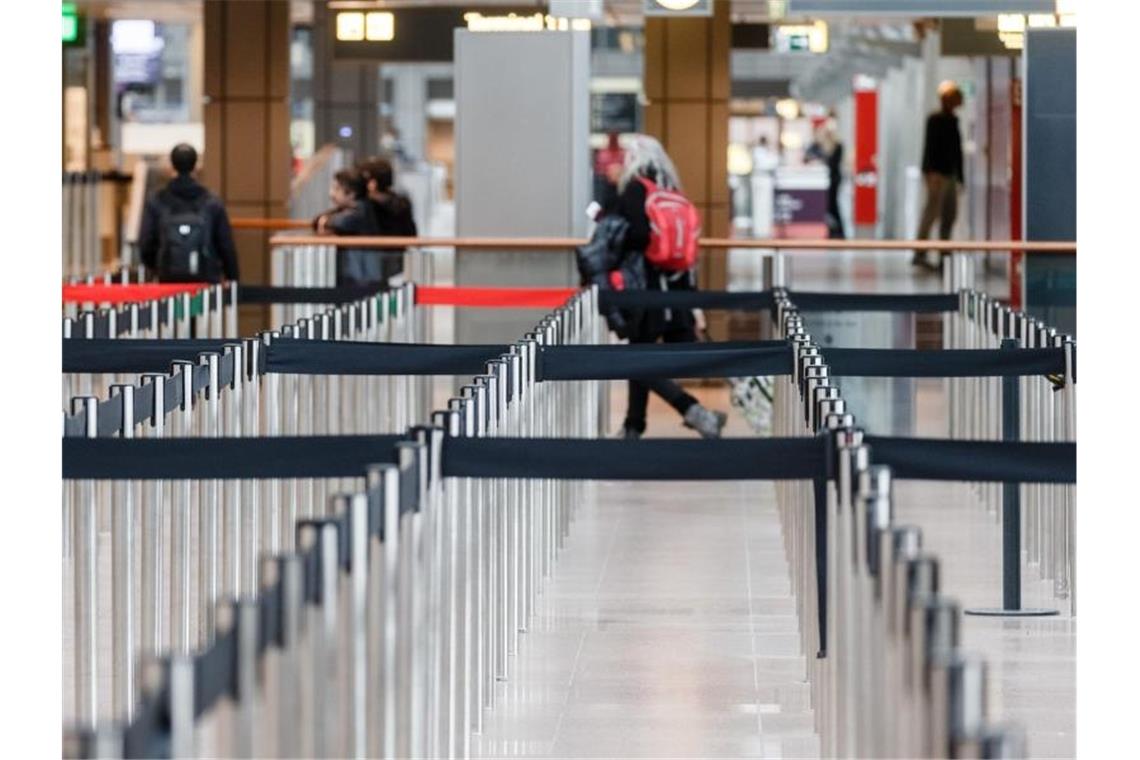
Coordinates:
184 191
942 146
630 205
390 217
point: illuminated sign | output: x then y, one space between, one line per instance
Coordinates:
70 23
535 22
355 26
808 38
678 7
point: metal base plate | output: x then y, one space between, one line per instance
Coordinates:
998 612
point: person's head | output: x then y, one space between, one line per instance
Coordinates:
645 157
183 159
613 141
949 96
377 174
347 187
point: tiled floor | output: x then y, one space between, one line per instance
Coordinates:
669 629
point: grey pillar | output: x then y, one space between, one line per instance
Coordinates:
521 163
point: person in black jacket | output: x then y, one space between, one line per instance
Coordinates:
392 210
352 215
185 210
646 158
941 168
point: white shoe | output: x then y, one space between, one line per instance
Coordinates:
705 421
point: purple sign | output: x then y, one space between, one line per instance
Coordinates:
800 205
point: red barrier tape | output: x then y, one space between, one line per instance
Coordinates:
126 293
495 298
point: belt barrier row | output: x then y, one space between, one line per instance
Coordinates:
336 357
890 679
397 654
154 525
207 313
292 401
527 408
1039 409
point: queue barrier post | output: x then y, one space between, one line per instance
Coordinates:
1011 512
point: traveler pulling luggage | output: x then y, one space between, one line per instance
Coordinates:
185 234
656 250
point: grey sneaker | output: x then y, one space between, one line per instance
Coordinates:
630 434
705 421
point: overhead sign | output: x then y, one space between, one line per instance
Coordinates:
70 24
678 7
807 38
412 34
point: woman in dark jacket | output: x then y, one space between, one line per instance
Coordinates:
645 158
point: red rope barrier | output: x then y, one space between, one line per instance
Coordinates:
149 291
495 298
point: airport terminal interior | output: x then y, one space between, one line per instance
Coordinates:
569 378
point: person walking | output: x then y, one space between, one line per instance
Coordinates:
941 169
185 234
647 175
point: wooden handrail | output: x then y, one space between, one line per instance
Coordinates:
561 243
270 224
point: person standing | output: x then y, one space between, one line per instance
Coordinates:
647 170
392 212
185 234
351 215
941 168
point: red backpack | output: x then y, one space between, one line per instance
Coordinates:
674 229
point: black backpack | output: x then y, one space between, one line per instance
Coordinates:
185 250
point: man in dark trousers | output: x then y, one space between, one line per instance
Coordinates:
941 168
185 235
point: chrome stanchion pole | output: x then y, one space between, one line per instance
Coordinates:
215 573
453 699
474 397
226 400
154 581
383 595
966 686
1064 530
181 708
356 508
124 602
938 629
917 581
181 636
248 706
85 575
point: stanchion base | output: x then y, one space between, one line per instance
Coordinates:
998 612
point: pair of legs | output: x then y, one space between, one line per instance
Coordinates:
941 204
674 394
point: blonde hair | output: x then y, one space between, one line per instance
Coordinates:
645 157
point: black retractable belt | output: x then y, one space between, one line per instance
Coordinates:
764 300
559 458
894 362
901 302
672 360
981 461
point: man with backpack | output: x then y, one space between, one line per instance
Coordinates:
185 235
664 227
